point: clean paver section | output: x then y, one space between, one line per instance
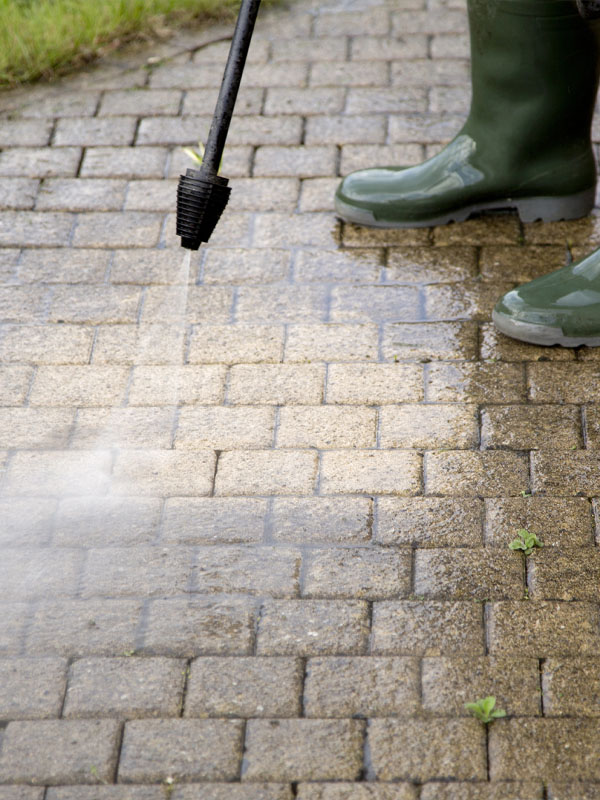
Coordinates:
255 517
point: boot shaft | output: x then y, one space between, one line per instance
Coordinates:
535 70
526 144
589 9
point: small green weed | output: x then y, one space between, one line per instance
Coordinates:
94 774
195 155
198 154
483 710
525 493
526 541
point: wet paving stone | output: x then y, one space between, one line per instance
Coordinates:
264 571
105 793
575 790
213 520
365 573
475 382
261 472
29 574
560 749
434 341
493 229
233 791
21 793
571 687
426 627
563 383
244 687
27 522
277 384
312 627
462 300
321 520
356 791
32 688
472 474
53 752
573 473
14 383
451 681
530 428
430 265
468 574
78 628
181 749
520 264
331 342
565 574
141 572
421 750
429 521
124 687
543 629
557 521
199 625
12 628
361 687
105 521
513 790
296 749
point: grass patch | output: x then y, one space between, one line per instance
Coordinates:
44 38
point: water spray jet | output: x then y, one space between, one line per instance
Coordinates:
202 194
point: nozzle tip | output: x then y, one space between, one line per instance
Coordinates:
190 244
201 200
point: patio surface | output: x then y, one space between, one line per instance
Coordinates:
255 527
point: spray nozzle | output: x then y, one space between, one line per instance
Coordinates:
202 194
201 199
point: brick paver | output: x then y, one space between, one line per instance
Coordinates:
255 520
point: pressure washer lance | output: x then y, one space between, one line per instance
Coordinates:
202 194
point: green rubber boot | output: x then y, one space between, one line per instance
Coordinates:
526 143
560 308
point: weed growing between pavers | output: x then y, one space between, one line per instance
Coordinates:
525 541
197 154
484 710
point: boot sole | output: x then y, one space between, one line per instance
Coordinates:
544 335
530 209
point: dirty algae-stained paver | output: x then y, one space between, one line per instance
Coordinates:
255 525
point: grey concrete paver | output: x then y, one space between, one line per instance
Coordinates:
180 749
59 751
255 518
32 688
319 749
124 687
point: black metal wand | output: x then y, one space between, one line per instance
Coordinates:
202 194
